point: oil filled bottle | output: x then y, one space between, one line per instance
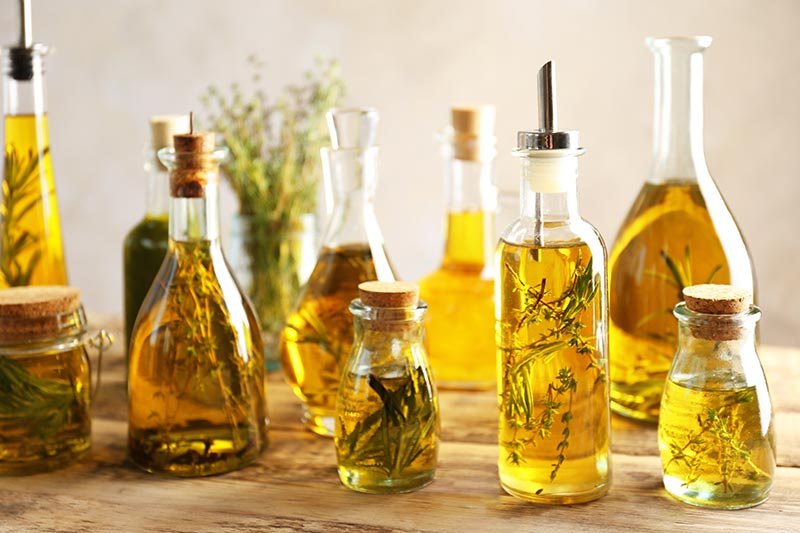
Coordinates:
679 232
551 315
146 243
196 376
31 251
460 294
318 336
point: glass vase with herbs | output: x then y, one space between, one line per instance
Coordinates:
551 328
274 171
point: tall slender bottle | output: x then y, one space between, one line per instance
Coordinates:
31 251
196 376
318 336
146 243
460 294
551 314
679 232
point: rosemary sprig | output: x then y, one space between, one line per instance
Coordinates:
20 196
562 314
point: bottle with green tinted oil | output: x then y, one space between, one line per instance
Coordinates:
551 305
715 430
679 232
146 243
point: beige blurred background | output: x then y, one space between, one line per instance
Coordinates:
117 62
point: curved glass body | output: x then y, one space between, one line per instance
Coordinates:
387 425
551 305
31 250
679 232
196 375
715 430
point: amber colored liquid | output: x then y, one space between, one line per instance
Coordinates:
196 376
535 420
316 342
30 230
44 410
667 220
723 461
460 298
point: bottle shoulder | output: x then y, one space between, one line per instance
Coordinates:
562 234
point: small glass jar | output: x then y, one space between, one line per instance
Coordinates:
387 417
45 379
715 431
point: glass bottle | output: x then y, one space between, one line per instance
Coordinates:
461 292
715 431
31 251
319 334
146 243
196 376
678 232
551 316
387 423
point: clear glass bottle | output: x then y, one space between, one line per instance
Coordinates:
715 430
31 250
319 334
551 316
460 294
387 417
146 243
678 232
196 376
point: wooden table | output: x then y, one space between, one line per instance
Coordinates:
294 486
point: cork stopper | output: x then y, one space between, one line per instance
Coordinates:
164 127
194 166
723 301
473 132
31 313
391 294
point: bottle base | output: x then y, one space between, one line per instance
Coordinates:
564 498
320 421
368 482
640 401
39 465
710 496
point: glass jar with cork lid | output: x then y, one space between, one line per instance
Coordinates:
715 431
45 379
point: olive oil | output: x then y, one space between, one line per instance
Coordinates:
668 242
30 230
318 336
716 447
554 422
461 306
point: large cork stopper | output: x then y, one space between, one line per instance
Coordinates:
194 167
390 294
720 300
162 130
473 132
30 313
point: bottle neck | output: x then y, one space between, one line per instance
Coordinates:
157 200
195 219
549 188
24 88
678 132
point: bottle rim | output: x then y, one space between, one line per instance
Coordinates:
747 318
389 315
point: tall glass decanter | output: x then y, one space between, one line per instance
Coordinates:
196 376
551 313
460 294
31 251
679 232
318 336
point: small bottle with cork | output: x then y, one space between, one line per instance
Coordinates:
715 429
196 376
387 418
460 294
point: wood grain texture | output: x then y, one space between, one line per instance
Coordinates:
294 486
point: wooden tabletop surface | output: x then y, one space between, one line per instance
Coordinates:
294 486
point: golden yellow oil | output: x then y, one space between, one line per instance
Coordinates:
667 242
44 410
717 444
554 423
318 336
30 230
196 375
387 430
460 298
